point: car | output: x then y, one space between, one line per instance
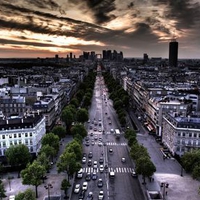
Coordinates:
134 174
89 163
95 137
94 176
100 144
95 164
12 197
90 196
81 195
101 195
77 188
101 160
100 183
101 168
88 177
100 130
123 159
111 150
85 185
92 143
87 143
91 134
84 160
90 154
80 173
88 120
112 174
87 138
91 127
95 129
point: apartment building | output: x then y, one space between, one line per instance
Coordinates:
27 130
180 133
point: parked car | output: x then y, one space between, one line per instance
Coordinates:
83 160
81 195
80 173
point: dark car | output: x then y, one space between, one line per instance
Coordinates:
81 194
88 177
90 196
89 163
90 155
94 176
100 183
101 160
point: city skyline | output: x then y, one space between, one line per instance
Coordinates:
45 28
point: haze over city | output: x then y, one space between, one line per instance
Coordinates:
43 28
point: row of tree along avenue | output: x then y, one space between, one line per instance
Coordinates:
119 97
143 164
33 170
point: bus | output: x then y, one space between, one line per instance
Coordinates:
117 133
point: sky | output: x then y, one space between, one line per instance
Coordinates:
43 28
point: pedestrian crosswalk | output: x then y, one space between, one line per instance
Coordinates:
116 144
110 169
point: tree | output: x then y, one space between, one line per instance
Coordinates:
18 155
32 175
79 129
67 163
26 195
196 172
49 151
74 102
59 131
190 160
68 117
65 185
43 160
52 140
2 190
145 167
82 115
138 151
75 147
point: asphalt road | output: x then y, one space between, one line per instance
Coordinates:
123 185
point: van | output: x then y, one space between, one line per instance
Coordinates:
80 173
12 197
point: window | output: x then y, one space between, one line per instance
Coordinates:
26 134
15 135
19 135
4 144
3 136
31 134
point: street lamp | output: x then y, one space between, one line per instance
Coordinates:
164 187
48 187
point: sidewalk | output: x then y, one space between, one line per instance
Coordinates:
14 185
168 172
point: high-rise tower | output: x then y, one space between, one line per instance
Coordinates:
173 53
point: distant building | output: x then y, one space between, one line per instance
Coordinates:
173 53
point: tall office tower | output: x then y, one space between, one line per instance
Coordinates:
70 54
145 58
173 53
104 54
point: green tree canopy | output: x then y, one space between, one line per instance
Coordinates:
18 155
32 175
52 140
2 190
138 151
79 129
67 116
43 160
82 115
26 195
49 151
145 167
190 160
59 131
76 147
67 163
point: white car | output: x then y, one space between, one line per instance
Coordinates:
85 186
100 144
84 160
101 168
101 195
95 164
77 188
80 173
